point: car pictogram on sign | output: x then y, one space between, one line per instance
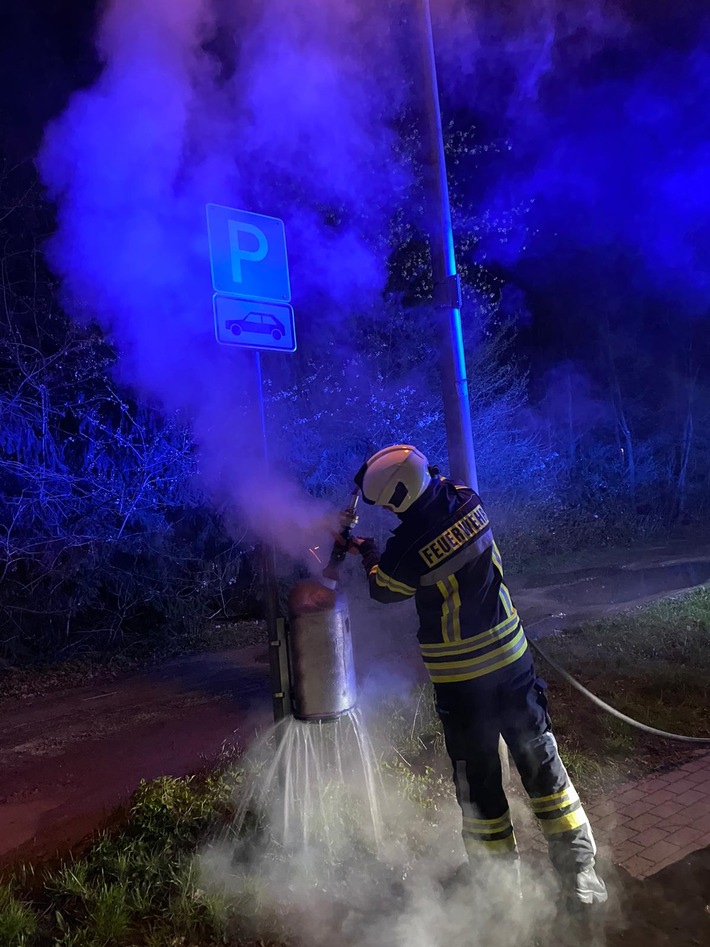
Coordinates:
260 323
253 324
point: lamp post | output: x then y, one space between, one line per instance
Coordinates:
447 288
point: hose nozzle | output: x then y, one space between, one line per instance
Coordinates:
348 519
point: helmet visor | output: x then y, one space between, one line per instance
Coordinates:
359 479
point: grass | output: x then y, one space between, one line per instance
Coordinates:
670 635
131 888
653 664
408 726
140 885
18 921
654 658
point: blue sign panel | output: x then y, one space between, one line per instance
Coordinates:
248 254
254 324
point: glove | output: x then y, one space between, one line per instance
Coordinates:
367 547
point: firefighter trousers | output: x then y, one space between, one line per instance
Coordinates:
514 705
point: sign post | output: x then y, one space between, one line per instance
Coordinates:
252 292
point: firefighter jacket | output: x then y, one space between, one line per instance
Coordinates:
443 554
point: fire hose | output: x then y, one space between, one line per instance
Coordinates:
573 682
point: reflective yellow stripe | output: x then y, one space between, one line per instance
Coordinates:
457 607
463 647
497 560
472 675
469 644
551 806
466 646
441 586
487 835
539 801
573 820
506 600
472 662
450 611
387 582
499 845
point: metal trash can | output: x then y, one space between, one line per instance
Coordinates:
320 650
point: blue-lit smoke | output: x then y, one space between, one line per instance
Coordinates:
287 107
605 106
625 178
289 119
496 57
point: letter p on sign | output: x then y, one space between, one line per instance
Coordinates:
238 248
248 254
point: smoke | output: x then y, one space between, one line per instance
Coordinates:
274 106
567 403
327 857
633 176
603 107
290 109
498 58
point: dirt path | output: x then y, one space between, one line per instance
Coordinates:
621 579
69 759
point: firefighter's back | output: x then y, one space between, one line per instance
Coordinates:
469 628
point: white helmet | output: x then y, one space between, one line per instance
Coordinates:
394 477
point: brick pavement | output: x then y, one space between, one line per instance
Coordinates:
650 823
656 821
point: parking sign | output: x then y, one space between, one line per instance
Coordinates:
248 254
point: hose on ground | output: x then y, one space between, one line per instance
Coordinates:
654 731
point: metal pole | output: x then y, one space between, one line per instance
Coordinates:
274 623
447 287
447 291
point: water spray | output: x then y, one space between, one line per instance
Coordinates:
317 766
316 667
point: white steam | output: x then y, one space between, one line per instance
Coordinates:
327 879
288 119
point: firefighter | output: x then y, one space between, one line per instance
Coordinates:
475 650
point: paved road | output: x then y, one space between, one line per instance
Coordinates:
69 759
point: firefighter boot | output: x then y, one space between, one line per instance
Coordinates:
589 887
